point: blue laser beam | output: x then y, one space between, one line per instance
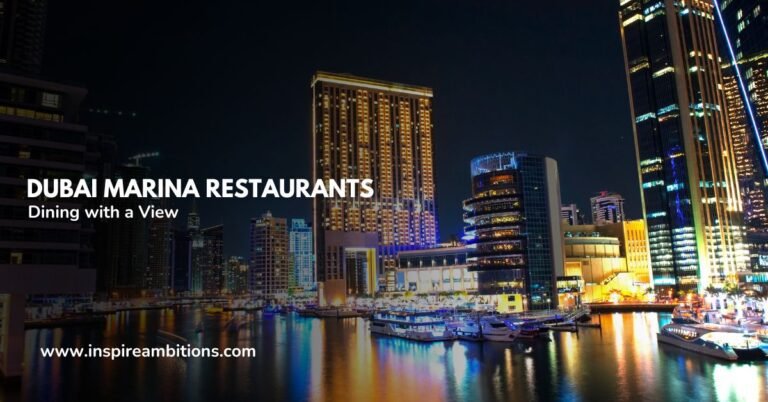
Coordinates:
743 88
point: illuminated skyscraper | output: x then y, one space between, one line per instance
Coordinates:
751 181
270 262
688 177
746 23
302 254
513 230
370 129
607 208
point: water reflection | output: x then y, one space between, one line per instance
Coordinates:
306 359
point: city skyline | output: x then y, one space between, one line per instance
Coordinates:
512 201
477 97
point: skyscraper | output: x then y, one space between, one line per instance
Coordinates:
236 276
748 166
41 138
181 265
157 279
370 129
213 249
745 24
688 177
513 229
607 207
206 256
270 262
22 32
302 253
571 214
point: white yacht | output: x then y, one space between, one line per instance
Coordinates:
417 326
489 328
721 341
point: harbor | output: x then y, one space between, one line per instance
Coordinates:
294 351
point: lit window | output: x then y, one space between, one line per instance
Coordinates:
51 100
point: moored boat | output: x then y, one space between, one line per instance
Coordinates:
418 326
720 341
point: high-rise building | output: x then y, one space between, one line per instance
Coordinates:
302 253
751 178
122 244
607 207
22 32
683 142
157 279
571 215
206 256
370 129
213 251
236 276
513 227
746 24
181 265
39 137
270 261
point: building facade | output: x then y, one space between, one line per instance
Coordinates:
270 267
435 270
683 142
22 33
612 258
40 136
571 215
157 279
513 229
302 254
607 207
370 129
236 276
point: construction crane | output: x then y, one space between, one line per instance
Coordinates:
138 157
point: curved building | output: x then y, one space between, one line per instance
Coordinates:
513 229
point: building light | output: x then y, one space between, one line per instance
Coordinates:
654 183
649 115
663 71
668 109
646 162
632 19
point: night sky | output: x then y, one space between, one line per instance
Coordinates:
221 89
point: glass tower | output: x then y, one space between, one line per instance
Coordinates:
683 142
513 229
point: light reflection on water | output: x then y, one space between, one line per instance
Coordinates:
305 359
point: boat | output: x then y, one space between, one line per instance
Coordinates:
468 331
494 329
336 312
417 326
565 326
533 332
715 340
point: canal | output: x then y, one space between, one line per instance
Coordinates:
309 359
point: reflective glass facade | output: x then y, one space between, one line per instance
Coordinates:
513 226
686 166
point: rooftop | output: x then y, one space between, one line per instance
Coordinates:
370 83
